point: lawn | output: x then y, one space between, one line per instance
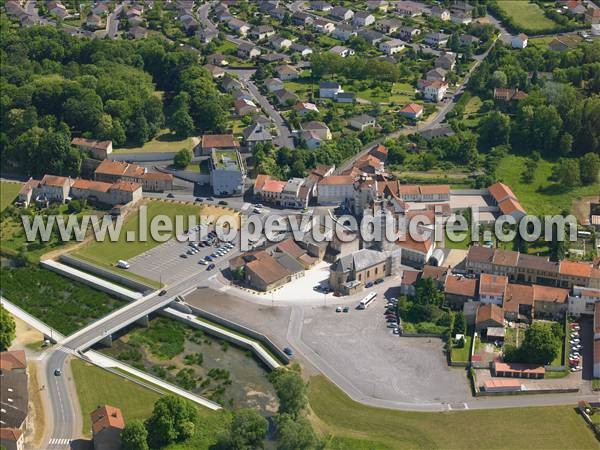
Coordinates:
462 354
541 196
356 426
62 303
107 253
8 192
164 142
526 14
96 386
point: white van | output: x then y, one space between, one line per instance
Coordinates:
123 264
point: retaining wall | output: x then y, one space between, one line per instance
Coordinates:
243 330
469 192
105 273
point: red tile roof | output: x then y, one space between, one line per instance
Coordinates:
89 185
457 285
337 179
575 269
106 417
490 311
412 108
15 359
54 180
10 434
91 143
492 284
219 141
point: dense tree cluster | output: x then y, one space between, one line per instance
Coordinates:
7 329
540 346
55 86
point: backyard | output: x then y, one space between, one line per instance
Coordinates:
8 192
526 14
63 304
540 196
352 425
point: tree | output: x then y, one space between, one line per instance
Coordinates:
494 131
291 390
247 431
134 436
173 420
7 329
565 144
540 345
182 158
567 173
590 168
181 123
460 324
296 434
428 293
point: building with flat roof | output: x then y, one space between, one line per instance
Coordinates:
227 172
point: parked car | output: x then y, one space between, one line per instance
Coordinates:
199 199
183 255
379 281
169 195
338 309
288 351
223 202
57 372
203 262
369 284
210 267
392 325
210 199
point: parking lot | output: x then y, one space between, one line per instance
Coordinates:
362 349
164 263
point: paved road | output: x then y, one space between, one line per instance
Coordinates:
284 139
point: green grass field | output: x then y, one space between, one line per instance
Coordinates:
8 192
541 196
462 354
107 253
525 14
354 426
164 142
96 386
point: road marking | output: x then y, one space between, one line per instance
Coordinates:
59 441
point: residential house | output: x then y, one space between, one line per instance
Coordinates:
119 193
459 289
217 60
244 107
582 301
190 25
378 5
343 32
492 288
413 111
53 188
278 13
371 36
274 57
60 11
293 193
461 18
262 32
388 26
408 9
507 95
344 97
216 72
210 142
287 72
436 74
488 316
324 26
14 398
302 19
342 14
240 27
93 21
392 46
228 83
257 132
280 43
341 51
447 61
98 149
138 32
304 50
207 35
436 39
468 39
117 171
227 172
574 8
408 33
519 41
380 152
362 122
107 425
263 272
435 90
318 128
363 19
440 13
304 108
335 189
329 89
503 197
273 84
285 97
247 50
320 6
592 15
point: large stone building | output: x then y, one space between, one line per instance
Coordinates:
293 193
115 171
14 399
98 149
